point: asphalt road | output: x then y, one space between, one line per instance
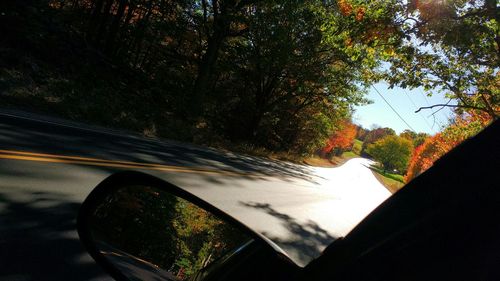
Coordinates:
48 167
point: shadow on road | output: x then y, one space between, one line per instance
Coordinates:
306 240
41 233
39 201
32 136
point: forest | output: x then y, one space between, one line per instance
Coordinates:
281 75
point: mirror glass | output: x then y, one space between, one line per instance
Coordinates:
150 234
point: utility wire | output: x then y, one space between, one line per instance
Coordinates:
427 102
393 109
425 97
420 113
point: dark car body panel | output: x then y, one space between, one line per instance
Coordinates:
443 225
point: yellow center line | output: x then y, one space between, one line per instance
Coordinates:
53 158
15 152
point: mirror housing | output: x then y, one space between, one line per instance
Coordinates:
111 210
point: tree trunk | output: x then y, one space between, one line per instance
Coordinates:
141 29
94 18
103 22
488 108
125 46
205 69
115 25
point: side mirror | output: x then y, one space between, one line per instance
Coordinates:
141 228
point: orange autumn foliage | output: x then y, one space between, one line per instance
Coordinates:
433 148
345 7
360 13
342 139
424 156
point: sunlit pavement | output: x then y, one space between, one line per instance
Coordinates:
301 208
302 216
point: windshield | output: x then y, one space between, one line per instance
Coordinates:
298 118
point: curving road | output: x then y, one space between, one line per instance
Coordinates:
48 166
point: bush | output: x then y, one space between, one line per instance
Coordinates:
392 152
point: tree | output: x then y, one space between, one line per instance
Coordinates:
222 19
417 139
280 74
392 152
361 133
408 134
464 126
341 140
452 47
286 87
424 156
375 135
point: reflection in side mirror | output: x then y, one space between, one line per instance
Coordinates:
142 232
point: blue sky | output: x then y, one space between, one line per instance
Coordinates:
380 114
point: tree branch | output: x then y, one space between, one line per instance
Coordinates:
450 105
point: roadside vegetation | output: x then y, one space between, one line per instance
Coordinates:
393 182
357 147
404 157
433 147
393 152
274 78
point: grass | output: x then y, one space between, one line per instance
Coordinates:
393 182
349 155
357 146
335 161
320 162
